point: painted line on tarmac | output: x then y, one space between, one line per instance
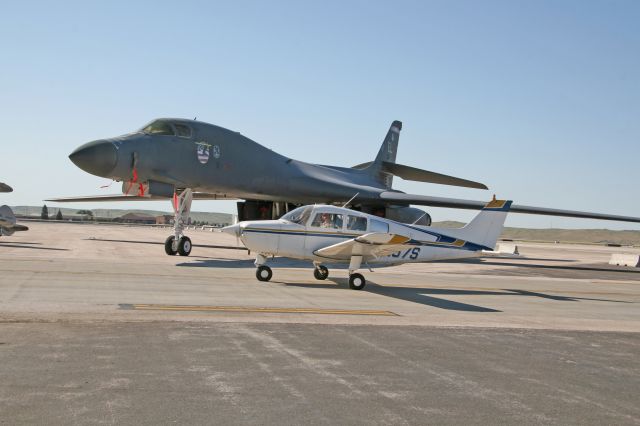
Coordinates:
249 309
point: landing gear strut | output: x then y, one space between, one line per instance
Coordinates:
263 273
178 243
356 281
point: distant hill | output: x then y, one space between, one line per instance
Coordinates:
113 213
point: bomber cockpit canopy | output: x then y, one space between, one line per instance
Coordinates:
167 128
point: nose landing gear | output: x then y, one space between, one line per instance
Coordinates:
178 243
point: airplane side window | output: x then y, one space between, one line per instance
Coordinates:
183 131
379 226
327 220
356 223
159 128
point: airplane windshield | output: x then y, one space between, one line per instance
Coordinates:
159 127
299 215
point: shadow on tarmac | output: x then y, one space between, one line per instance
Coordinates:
425 295
161 243
30 246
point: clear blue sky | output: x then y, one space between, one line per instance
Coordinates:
540 100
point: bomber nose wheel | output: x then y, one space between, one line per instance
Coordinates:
356 281
184 246
321 273
263 273
168 246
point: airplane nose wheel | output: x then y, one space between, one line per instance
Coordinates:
356 281
321 272
264 273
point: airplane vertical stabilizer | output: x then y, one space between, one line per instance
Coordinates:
387 153
486 227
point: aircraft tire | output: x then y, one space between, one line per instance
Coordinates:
321 273
356 281
184 246
263 273
168 246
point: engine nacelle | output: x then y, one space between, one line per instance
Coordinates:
408 215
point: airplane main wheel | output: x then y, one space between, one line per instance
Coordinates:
168 245
321 273
264 273
184 246
356 281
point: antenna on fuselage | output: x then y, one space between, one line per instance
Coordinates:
350 200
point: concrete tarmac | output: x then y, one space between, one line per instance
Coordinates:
98 325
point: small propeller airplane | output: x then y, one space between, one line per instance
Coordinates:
7 219
330 234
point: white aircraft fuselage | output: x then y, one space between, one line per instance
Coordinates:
329 234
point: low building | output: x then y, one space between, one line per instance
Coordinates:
165 219
136 218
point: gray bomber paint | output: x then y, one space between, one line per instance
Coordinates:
176 154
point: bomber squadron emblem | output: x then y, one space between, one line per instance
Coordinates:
204 150
216 151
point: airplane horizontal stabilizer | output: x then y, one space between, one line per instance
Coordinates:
116 197
420 175
423 200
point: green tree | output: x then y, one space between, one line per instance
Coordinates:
44 214
59 215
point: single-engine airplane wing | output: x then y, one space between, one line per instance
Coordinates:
368 245
425 200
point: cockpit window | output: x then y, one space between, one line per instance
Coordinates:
159 127
299 215
183 130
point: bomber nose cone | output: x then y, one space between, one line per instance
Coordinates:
98 157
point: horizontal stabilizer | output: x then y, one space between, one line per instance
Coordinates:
423 200
412 173
419 175
116 197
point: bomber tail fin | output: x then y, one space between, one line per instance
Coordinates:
384 167
386 154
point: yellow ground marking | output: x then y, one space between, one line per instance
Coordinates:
249 309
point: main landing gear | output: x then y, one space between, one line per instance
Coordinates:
320 272
178 243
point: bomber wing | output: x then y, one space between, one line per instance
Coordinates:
120 197
368 245
425 200
5 188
